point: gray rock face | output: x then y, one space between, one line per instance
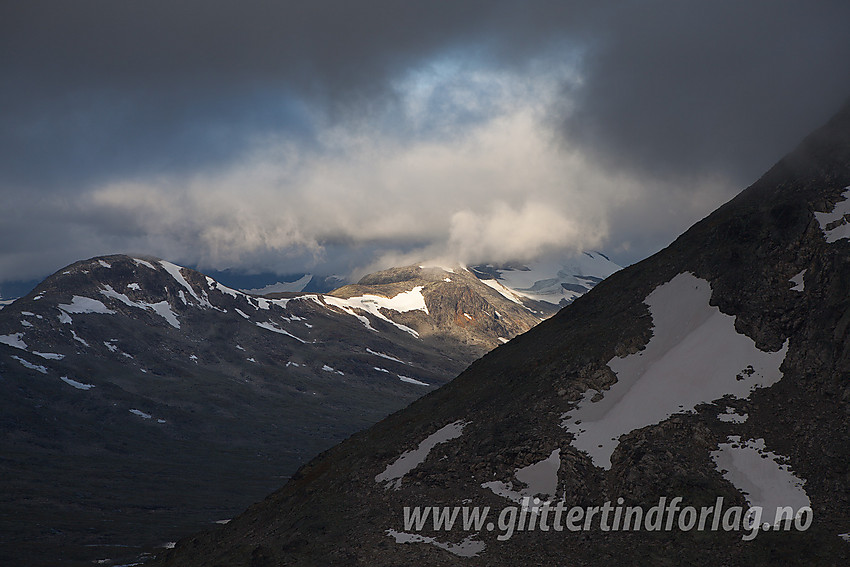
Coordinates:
789 440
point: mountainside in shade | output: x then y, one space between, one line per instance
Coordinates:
718 368
141 401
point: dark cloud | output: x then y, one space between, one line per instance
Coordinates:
95 85
694 87
111 98
98 87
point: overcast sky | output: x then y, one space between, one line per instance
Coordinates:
345 135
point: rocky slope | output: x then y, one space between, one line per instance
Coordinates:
717 368
140 400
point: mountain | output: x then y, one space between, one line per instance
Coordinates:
548 280
142 400
716 369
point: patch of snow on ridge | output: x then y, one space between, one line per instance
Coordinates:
412 300
694 356
105 264
85 305
469 547
409 460
837 218
143 263
162 308
280 287
177 274
760 475
140 413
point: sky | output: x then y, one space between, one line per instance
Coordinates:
340 136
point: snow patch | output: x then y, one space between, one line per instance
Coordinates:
694 356
105 264
274 328
405 301
85 305
540 478
78 339
411 380
730 416
508 294
799 284
469 547
143 263
280 287
409 460
382 355
30 365
177 274
134 286
75 384
49 355
163 309
14 341
140 413
760 474
837 219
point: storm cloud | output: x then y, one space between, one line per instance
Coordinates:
343 135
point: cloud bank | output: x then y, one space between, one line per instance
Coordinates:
338 136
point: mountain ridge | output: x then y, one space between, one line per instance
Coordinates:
139 365
754 254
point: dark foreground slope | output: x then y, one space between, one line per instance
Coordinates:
504 430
